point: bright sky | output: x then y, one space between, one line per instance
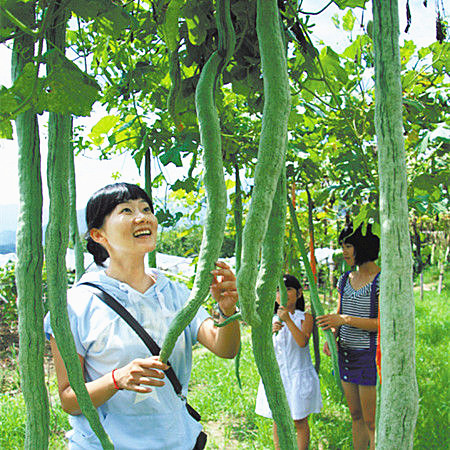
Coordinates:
92 174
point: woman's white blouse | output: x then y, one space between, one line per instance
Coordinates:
158 420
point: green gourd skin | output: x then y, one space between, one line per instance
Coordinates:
398 402
29 265
74 231
215 187
59 134
268 279
315 295
277 101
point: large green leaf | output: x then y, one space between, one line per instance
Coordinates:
112 18
67 89
342 4
172 155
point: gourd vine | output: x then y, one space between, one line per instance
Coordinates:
214 182
271 151
30 259
314 295
59 135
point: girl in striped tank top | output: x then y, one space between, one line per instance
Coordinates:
355 326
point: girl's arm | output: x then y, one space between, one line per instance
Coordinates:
328 321
147 372
302 335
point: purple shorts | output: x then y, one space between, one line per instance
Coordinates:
357 366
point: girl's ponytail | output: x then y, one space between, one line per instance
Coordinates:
97 251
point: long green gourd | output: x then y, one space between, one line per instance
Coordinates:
74 230
277 101
268 279
318 308
29 263
59 134
214 184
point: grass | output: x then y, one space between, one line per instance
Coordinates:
228 412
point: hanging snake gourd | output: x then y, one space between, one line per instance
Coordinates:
268 279
214 182
30 258
276 110
59 134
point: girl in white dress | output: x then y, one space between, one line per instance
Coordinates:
291 329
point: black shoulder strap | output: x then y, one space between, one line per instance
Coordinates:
341 288
136 326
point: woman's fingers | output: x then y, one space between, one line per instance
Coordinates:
141 373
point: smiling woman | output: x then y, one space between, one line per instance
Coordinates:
137 406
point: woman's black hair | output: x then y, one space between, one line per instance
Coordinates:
367 247
291 281
101 204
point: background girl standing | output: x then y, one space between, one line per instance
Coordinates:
356 325
291 329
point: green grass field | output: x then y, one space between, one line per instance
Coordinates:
228 412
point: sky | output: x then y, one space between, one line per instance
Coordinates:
92 174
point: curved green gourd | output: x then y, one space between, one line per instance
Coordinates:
277 103
214 182
29 264
268 279
59 135
315 295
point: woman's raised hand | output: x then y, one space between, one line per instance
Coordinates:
140 374
223 288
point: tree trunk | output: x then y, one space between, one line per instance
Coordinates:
29 263
74 230
57 234
399 393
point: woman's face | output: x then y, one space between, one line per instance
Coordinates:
131 228
292 295
348 252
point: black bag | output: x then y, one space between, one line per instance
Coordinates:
152 346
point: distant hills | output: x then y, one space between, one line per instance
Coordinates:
8 226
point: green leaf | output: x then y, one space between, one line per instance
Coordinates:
111 17
6 130
342 4
196 30
104 125
67 89
332 64
188 185
348 20
171 156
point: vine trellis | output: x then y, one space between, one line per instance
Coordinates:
261 253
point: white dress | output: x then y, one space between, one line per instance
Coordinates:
300 379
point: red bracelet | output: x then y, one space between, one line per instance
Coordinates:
114 381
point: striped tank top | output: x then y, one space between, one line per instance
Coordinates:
356 303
